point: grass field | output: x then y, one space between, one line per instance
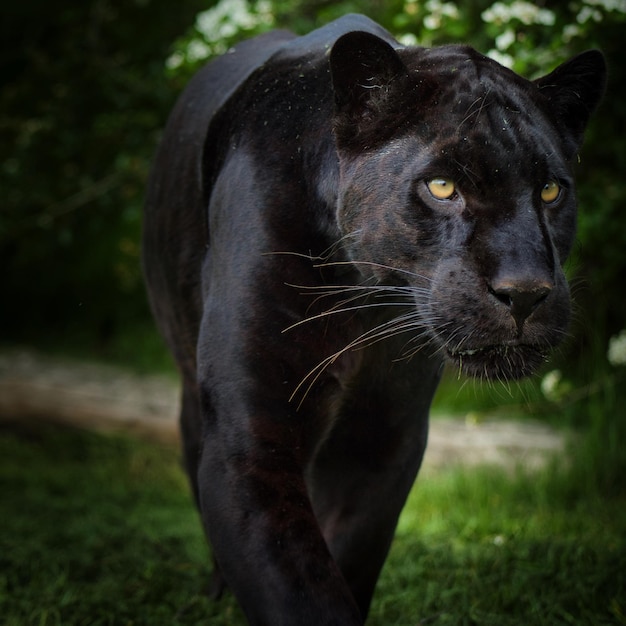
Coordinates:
101 530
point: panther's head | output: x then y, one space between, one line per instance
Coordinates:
456 180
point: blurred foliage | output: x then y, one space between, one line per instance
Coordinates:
86 88
83 98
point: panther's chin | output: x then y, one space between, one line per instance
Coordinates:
498 362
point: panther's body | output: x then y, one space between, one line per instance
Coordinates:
330 217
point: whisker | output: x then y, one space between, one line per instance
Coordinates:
386 297
373 264
360 290
335 247
335 311
383 331
408 353
394 327
300 255
361 287
323 256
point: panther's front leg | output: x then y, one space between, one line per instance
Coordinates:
256 446
259 519
362 475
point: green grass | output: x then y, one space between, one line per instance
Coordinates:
101 530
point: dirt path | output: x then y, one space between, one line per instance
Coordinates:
104 398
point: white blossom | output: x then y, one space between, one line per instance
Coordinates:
570 31
617 349
197 50
587 13
228 17
175 60
408 39
525 12
437 10
432 22
550 384
609 5
505 40
448 9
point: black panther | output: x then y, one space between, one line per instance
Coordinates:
329 219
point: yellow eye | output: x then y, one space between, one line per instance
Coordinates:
550 192
441 188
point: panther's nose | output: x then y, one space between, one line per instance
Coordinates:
522 297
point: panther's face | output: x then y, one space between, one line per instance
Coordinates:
468 201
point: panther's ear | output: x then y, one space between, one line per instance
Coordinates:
574 90
365 73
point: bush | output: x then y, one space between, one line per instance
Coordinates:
84 97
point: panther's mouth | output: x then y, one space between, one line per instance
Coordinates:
498 362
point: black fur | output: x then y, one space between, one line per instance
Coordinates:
310 285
